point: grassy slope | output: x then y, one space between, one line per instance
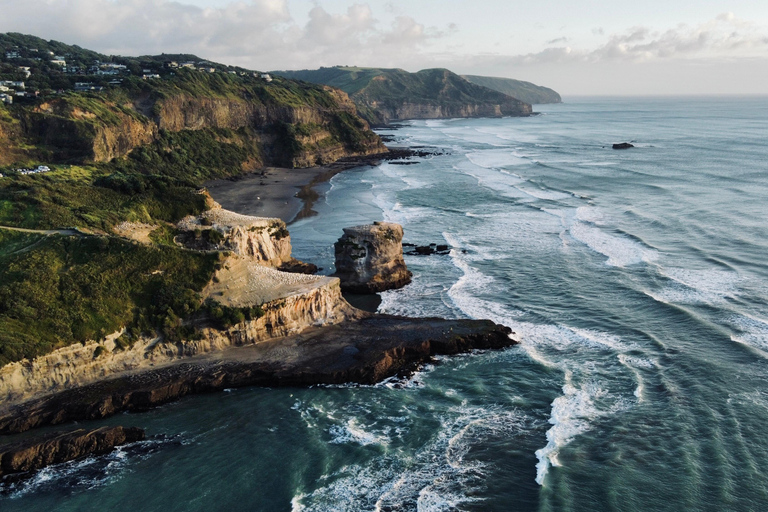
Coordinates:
57 290
524 91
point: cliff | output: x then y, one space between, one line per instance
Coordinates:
362 351
524 91
33 454
265 241
287 303
384 95
369 259
279 122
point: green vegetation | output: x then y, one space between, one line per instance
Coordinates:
89 197
376 91
73 289
524 91
112 162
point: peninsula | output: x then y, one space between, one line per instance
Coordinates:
124 284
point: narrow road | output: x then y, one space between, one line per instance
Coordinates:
65 232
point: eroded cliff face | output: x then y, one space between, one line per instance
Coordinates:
430 111
369 259
78 365
75 133
263 240
97 129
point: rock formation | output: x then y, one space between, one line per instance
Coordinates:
33 454
363 351
623 145
369 259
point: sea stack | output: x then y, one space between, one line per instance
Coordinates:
369 259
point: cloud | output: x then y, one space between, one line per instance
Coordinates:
260 34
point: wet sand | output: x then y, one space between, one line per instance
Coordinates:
286 194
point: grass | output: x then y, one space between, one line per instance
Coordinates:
73 289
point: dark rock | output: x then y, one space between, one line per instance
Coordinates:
295 266
383 346
36 453
427 250
623 145
369 259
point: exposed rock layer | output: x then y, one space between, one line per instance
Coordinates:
363 351
369 259
33 454
77 365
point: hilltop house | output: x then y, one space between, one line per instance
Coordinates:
58 61
265 76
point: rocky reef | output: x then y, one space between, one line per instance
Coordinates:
24 457
369 259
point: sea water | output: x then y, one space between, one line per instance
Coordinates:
636 280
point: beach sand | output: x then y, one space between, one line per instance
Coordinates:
285 194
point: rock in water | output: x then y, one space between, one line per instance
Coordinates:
623 145
369 259
33 454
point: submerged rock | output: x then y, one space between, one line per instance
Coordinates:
369 259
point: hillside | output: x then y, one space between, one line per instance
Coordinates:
66 104
384 95
109 144
524 91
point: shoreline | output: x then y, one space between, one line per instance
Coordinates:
363 351
289 194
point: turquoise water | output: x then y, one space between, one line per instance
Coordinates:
636 280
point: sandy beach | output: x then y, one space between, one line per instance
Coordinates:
287 194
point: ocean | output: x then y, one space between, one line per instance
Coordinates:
635 279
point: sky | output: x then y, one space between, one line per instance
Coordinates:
590 47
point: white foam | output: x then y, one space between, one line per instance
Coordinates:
353 432
571 416
753 331
497 158
438 477
619 250
590 214
543 193
552 345
697 286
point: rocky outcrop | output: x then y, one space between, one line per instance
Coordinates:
369 259
623 145
264 240
75 133
32 454
77 365
364 351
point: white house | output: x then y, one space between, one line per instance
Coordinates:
266 77
59 62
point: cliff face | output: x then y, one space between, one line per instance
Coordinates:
291 128
77 133
34 454
388 112
384 95
369 259
265 241
78 365
290 302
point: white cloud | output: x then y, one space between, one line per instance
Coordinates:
254 33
